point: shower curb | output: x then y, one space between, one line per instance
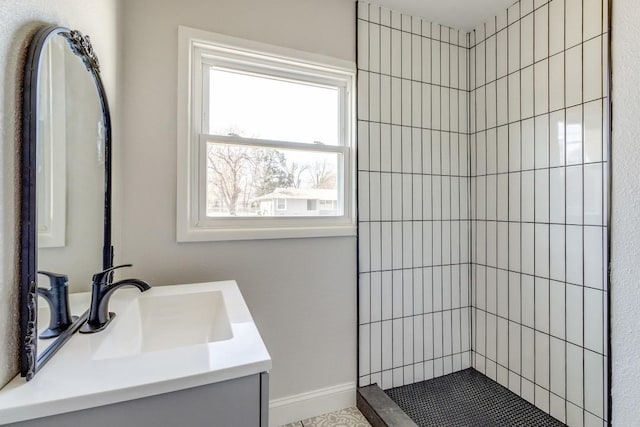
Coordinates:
380 410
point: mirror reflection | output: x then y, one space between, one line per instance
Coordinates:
70 181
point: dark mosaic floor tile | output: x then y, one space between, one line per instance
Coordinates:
467 398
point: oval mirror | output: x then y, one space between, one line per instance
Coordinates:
66 189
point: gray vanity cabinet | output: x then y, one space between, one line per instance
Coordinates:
240 402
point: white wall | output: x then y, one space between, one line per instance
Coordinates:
20 19
625 227
301 292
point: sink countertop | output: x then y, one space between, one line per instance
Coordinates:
75 378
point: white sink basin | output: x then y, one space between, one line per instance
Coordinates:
167 339
161 322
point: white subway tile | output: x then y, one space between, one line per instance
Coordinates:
503 245
556 309
396 101
541 33
514 97
514 47
528 144
593 131
503 197
526 7
594 244
574 313
514 348
514 147
364 241
527 196
528 362
387 247
594 393
364 299
592 69
501 54
557 82
556 26
385 99
396 235
514 196
556 407
542 305
374 47
363 196
557 177
528 301
363 145
593 194
594 322
527 92
542 141
557 367
396 20
574 194
575 413
574 250
435 61
379 345
396 52
542 250
573 76
557 252
526 41
575 370
398 347
573 22
542 368
541 83
542 195
405 65
374 13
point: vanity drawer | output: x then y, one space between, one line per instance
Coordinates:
241 402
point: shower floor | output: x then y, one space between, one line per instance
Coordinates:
467 398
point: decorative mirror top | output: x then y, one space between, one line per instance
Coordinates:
81 46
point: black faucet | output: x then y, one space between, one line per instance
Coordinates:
102 289
58 299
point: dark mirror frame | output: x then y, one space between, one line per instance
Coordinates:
30 361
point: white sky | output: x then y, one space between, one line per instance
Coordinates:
258 107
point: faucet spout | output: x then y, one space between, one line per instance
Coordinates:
99 315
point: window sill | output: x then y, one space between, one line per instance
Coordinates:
228 234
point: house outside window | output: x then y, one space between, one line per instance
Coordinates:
265 141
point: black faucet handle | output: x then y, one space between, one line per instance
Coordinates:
55 278
100 277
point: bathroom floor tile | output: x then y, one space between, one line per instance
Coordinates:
467 399
349 417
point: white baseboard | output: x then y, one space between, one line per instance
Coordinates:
310 404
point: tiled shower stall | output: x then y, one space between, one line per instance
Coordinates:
483 202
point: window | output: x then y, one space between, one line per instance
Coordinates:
265 141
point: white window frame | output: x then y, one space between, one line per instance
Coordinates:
284 205
198 49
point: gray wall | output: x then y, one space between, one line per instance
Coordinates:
301 292
413 170
20 18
